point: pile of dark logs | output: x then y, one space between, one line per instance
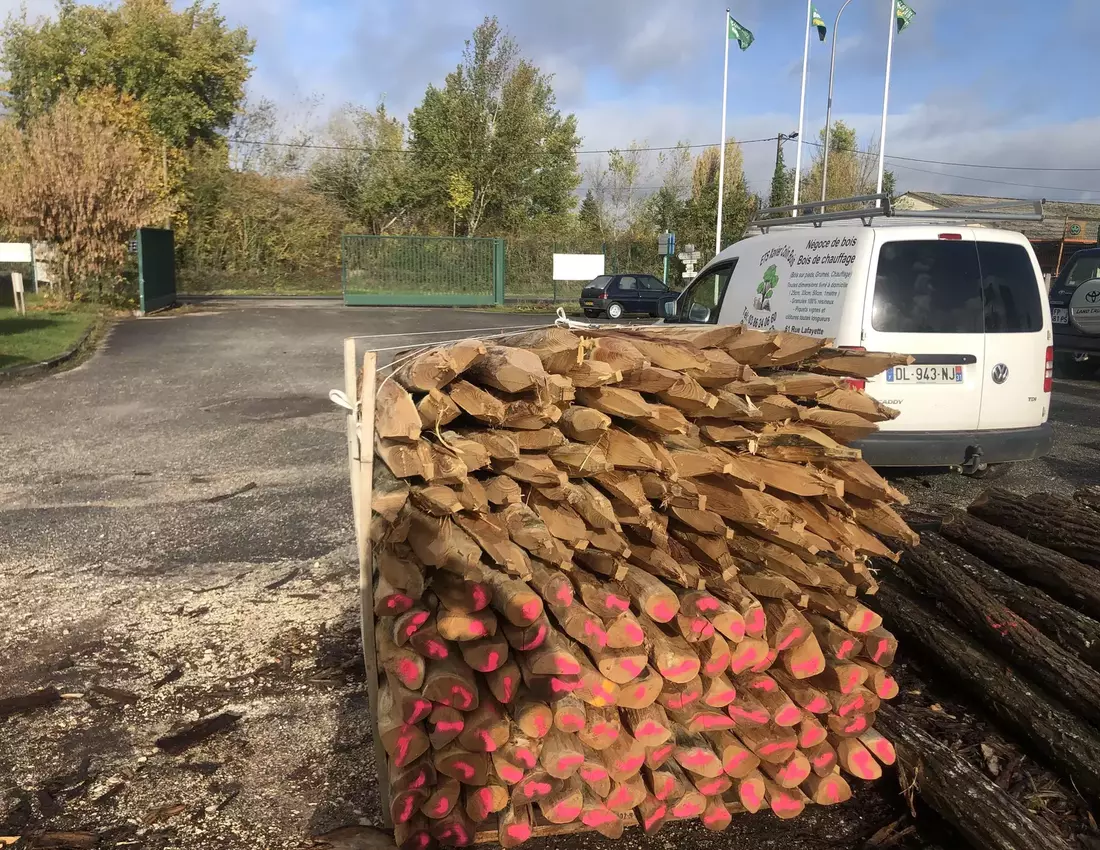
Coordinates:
1005 600
617 580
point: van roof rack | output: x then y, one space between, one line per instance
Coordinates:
878 206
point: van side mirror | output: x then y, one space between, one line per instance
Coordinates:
669 308
699 314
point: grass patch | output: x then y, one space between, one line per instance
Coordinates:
45 332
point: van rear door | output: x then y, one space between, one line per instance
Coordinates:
1018 332
925 299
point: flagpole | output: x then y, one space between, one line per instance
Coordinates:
886 100
829 108
802 106
722 157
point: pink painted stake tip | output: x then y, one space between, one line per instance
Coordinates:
790 639
658 813
634 632
663 612
788 715
519 830
818 705
531 610
823 759
749 795
707 603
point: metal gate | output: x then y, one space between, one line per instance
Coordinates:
156 253
417 271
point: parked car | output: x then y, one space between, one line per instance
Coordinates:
968 303
617 295
1075 313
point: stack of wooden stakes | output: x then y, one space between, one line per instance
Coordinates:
617 580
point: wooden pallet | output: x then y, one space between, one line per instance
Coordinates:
360 426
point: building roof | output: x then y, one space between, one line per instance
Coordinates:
1051 229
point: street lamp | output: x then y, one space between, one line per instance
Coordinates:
829 110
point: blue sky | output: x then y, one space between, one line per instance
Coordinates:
1004 82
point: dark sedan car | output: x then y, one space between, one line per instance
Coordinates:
616 295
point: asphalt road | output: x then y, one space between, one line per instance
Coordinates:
175 534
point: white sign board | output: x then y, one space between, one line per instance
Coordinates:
798 286
578 266
16 252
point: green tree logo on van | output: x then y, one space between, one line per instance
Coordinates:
766 289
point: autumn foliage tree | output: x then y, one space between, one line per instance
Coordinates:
82 183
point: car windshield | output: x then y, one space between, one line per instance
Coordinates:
1083 270
600 283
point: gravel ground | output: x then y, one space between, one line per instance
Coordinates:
174 545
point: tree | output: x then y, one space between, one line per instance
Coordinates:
627 171
852 171
738 205
85 185
187 68
665 209
265 140
590 216
495 122
782 194
258 231
368 176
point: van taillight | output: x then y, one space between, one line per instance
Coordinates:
853 383
1048 375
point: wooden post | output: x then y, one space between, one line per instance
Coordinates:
360 421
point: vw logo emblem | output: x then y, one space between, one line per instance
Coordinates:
1000 373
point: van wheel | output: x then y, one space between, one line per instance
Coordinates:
614 310
989 471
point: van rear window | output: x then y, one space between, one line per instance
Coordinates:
928 286
600 282
1012 303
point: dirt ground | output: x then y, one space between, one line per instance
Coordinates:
175 534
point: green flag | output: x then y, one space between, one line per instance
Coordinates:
742 34
817 21
905 14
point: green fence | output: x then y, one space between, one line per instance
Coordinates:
156 269
422 271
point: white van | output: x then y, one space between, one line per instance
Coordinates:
967 302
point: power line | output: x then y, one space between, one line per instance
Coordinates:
997 182
364 149
897 159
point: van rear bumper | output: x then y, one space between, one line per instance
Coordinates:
956 448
